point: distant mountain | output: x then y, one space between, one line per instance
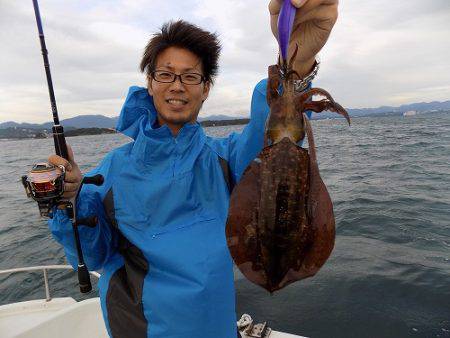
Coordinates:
81 121
101 121
91 121
11 124
422 107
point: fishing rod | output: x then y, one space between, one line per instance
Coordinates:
45 182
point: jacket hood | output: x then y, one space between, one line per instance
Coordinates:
137 110
152 143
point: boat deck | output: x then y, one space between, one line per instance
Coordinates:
60 317
63 317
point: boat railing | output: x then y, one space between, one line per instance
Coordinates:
44 269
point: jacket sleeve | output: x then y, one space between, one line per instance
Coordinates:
244 147
97 243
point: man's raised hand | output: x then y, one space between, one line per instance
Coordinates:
313 23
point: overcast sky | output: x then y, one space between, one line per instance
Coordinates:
380 52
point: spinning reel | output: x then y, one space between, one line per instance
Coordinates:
45 184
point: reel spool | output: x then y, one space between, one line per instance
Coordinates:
45 184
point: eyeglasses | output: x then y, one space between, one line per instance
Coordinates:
165 76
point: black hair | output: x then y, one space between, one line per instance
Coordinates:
203 44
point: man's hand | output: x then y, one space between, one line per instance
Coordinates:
73 175
313 23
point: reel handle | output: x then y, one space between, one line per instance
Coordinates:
96 180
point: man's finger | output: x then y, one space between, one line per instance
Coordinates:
70 153
68 195
315 3
306 10
58 160
275 5
323 12
70 187
298 3
73 176
303 5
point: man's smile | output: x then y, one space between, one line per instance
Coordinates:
177 102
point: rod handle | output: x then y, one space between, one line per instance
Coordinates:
84 280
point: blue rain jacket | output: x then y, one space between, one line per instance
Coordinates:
160 239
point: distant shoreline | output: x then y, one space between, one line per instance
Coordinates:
18 133
29 133
221 123
15 133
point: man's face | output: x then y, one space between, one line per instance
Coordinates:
177 103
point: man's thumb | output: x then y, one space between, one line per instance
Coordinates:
275 6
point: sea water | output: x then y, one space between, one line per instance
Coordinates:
389 273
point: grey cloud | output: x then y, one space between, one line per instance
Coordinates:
380 52
381 63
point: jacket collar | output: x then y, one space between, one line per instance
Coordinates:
138 120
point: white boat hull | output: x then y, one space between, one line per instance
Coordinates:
61 317
65 317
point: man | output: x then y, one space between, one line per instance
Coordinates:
159 242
